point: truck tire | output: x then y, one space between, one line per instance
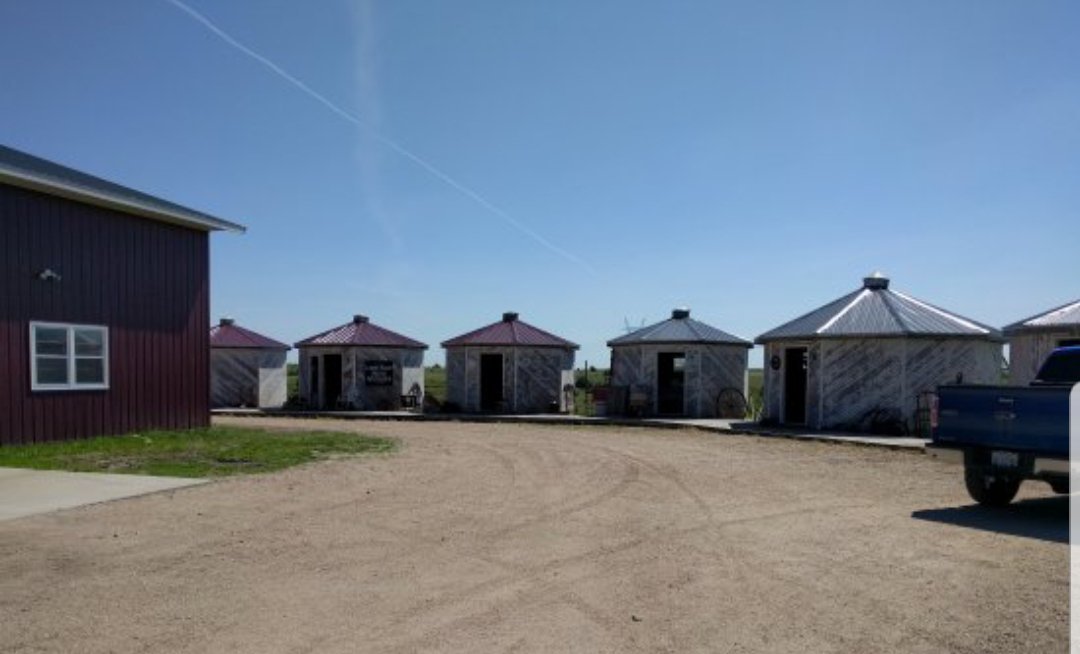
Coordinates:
990 490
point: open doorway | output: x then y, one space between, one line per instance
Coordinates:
491 382
795 364
670 382
331 380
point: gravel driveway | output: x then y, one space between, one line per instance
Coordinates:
516 538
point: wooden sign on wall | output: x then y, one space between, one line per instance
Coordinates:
378 373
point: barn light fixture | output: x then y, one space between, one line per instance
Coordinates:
49 275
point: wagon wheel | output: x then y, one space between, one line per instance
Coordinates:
731 404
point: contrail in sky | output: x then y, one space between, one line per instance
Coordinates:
393 145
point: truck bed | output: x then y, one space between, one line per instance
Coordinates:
1023 419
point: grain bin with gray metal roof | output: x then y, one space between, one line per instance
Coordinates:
361 366
860 362
679 366
1032 339
247 369
509 366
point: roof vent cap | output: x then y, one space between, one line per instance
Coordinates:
876 282
227 322
359 319
510 316
682 313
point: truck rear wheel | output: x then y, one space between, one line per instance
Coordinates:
990 490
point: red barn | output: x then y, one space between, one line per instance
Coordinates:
104 303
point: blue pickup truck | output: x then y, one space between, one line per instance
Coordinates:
1006 434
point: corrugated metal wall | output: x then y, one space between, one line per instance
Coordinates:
1027 352
408 366
148 282
849 379
247 377
532 376
709 369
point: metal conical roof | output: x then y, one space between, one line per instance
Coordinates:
228 334
510 332
679 328
876 310
362 332
1065 316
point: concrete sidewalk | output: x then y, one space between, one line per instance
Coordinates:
754 429
742 427
28 492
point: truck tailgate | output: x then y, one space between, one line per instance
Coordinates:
1020 418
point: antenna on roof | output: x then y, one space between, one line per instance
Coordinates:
629 329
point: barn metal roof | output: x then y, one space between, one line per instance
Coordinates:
362 332
510 332
228 334
679 328
876 310
1065 316
27 171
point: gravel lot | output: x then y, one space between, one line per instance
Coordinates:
514 538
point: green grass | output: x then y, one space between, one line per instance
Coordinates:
755 397
435 383
582 396
292 380
212 452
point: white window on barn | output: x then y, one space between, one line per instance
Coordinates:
68 357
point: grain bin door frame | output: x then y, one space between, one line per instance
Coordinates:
796 385
333 384
671 383
491 381
314 381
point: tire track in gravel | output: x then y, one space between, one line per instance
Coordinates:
671 474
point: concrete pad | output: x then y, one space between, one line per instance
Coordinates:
28 492
755 429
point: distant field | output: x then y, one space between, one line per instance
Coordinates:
292 380
755 396
435 383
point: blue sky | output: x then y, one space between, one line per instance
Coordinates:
586 164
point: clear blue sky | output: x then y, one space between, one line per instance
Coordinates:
583 163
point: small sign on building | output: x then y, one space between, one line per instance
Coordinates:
378 372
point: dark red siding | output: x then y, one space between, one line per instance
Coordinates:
147 281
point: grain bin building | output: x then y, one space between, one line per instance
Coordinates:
104 304
679 366
247 369
361 366
508 367
860 362
1032 339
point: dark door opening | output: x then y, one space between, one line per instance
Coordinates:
313 382
795 360
331 380
670 382
491 382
